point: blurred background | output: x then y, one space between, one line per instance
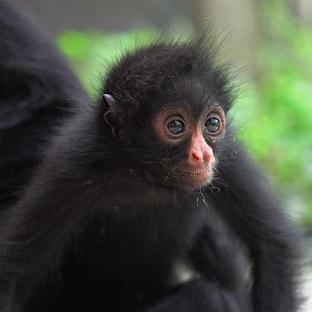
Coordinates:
267 43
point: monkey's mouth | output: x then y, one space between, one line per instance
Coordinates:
188 177
198 177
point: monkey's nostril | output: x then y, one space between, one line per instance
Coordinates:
197 157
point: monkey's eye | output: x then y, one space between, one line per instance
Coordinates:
176 127
213 124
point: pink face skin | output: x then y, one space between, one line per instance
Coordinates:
200 159
174 125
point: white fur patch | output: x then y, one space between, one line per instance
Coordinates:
182 272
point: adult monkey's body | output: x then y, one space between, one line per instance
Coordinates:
37 92
126 192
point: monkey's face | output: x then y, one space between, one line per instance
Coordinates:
174 144
193 138
166 105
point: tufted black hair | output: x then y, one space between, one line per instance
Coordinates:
161 66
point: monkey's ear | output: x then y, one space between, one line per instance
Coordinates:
112 116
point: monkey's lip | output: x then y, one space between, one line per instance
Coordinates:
198 176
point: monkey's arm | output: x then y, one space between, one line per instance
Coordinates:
248 205
35 79
220 259
38 91
200 295
39 229
222 285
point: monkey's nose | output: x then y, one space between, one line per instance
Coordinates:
200 153
201 157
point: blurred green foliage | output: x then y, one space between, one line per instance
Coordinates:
273 115
93 53
279 107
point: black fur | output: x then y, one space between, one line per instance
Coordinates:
37 91
102 223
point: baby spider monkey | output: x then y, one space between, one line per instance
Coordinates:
145 202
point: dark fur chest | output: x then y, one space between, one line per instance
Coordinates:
137 238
